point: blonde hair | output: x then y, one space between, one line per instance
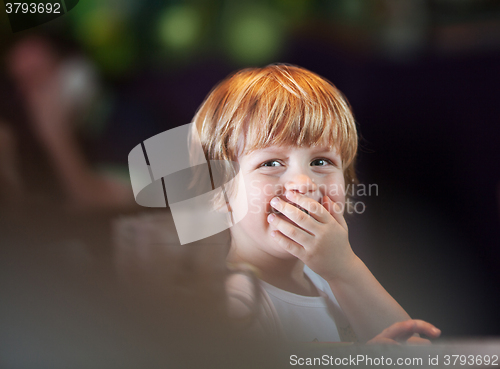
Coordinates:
280 105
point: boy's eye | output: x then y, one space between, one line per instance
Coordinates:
321 162
271 163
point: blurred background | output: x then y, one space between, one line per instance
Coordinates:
79 92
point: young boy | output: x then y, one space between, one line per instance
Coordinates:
294 137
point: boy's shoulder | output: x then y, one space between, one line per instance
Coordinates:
250 308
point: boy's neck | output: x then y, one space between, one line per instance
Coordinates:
286 274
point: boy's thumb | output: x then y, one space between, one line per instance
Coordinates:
327 203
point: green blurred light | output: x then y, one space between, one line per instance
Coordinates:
102 27
353 9
105 33
255 36
296 11
99 26
180 27
116 58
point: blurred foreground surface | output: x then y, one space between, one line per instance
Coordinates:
67 305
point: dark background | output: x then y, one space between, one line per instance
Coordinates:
423 79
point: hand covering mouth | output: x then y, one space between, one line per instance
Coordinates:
273 210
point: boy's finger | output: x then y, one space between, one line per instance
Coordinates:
288 245
313 207
404 330
291 212
335 210
426 328
396 331
290 230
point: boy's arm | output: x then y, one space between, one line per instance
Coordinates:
374 314
367 305
322 243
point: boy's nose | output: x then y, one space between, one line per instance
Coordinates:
301 183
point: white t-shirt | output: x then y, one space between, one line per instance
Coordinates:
305 318
290 316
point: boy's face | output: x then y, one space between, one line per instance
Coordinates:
272 172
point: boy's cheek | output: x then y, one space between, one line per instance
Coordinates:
256 206
259 188
336 192
254 187
239 200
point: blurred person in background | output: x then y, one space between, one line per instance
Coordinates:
59 93
11 187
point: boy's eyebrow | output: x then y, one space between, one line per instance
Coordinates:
281 150
267 150
272 150
321 150
258 154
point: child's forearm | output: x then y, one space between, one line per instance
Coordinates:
367 305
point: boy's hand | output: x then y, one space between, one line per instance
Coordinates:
319 239
405 332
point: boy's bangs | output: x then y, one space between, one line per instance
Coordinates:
287 131
297 122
